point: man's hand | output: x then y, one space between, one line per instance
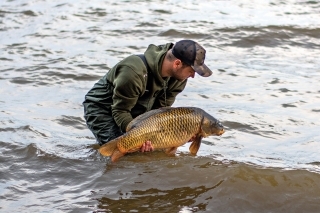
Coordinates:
146 147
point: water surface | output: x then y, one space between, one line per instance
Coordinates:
265 90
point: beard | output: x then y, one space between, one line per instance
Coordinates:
178 74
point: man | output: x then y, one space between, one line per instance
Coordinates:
140 83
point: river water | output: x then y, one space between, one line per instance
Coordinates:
265 90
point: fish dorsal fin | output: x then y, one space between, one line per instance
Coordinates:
135 122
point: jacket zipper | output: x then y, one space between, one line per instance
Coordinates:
165 86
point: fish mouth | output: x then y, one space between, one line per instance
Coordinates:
221 132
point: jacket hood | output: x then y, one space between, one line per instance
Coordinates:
155 56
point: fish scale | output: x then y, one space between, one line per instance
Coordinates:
151 131
166 128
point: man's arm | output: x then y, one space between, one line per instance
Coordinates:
128 86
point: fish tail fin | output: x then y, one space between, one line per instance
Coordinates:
108 148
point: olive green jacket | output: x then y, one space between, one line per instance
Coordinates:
128 90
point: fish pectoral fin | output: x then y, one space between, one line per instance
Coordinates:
195 145
171 150
108 148
116 155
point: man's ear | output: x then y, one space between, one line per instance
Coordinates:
177 63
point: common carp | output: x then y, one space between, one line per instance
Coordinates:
167 128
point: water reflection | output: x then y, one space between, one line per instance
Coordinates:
157 200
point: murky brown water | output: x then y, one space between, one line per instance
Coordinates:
265 90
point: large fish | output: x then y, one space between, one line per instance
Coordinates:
167 128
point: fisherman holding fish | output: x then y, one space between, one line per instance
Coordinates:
140 83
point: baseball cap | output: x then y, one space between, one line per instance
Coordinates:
192 54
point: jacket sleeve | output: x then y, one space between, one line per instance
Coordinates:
174 88
128 86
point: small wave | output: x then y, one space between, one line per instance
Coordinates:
285 90
26 128
75 122
182 34
288 105
12 151
29 13
316 163
15 151
5 59
275 81
77 77
163 11
39 35
256 130
46 78
272 36
97 12
17 45
147 24
21 80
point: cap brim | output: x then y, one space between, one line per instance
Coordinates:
202 70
